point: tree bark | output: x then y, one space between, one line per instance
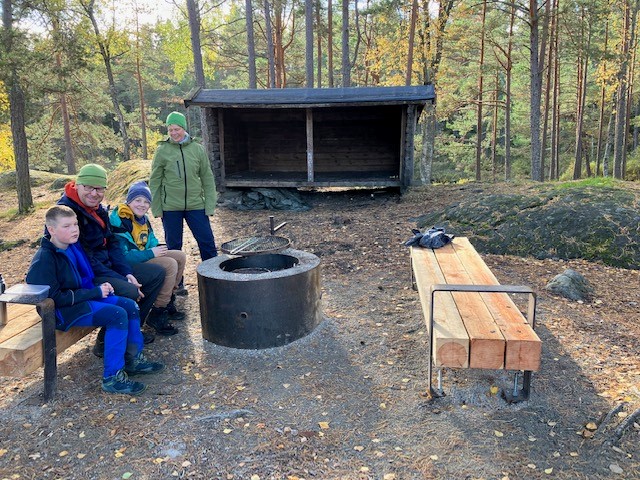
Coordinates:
319 42
270 53
346 62
507 106
412 34
602 101
251 45
479 131
535 91
308 29
330 43
193 12
105 53
17 106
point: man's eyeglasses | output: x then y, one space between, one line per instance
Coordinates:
90 189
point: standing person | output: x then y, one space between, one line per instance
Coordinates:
183 188
63 265
141 282
130 223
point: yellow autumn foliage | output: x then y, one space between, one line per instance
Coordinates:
7 160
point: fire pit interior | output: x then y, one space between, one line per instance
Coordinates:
259 301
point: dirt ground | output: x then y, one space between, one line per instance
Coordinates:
346 401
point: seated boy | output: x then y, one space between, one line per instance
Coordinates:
63 265
129 221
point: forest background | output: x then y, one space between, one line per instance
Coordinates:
540 90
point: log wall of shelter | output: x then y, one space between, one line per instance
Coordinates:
346 139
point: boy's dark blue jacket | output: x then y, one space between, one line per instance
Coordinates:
51 266
99 243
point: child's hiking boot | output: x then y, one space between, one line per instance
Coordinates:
174 313
159 319
181 290
140 365
120 383
148 337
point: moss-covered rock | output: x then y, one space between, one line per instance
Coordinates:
594 223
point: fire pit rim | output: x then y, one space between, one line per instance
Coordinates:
211 268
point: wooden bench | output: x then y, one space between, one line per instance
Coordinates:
471 319
28 335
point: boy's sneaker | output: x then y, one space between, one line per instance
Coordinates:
159 320
140 365
120 383
174 313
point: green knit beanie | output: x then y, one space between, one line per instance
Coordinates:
92 175
176 118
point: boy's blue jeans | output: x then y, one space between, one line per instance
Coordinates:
121 317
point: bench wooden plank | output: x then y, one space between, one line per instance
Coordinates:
486 342
23 353
21 317
451 342
523 346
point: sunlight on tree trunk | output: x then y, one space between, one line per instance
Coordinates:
17 109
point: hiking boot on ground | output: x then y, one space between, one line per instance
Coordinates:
173 312
140 365
148 337
120 383
159 320
181 290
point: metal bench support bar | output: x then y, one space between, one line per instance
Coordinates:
531 318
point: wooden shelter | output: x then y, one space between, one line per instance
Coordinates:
308 137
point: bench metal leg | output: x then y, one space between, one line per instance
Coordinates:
46 309
517 394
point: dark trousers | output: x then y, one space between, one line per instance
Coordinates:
149 275
199 225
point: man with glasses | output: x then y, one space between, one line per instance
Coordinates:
140 282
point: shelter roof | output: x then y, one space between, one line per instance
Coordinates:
311 97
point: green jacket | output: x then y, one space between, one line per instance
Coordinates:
121 219
181 178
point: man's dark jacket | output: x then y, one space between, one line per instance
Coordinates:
100 244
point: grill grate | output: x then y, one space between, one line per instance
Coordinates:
254 245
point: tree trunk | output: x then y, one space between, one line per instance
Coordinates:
554 169
494 128
251 45
17 109
103 46
143 105
610 139
198 66
428 143
547 92
602 101
583 66
621 108
535 91
479 132
330 43
507 106
308 28
269 33
319 42
346 63
412 34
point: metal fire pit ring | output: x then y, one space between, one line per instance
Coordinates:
262 309
255 245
